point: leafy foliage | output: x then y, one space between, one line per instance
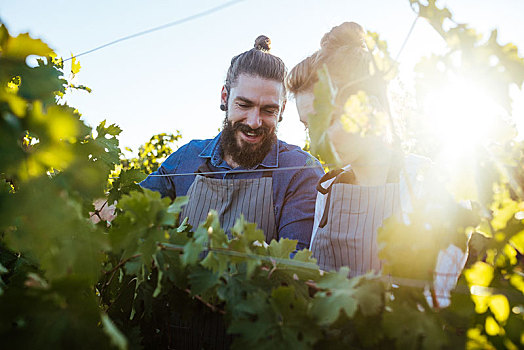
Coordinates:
66 282
152 153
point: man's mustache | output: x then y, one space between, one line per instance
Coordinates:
263 130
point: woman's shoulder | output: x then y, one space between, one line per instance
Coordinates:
415 161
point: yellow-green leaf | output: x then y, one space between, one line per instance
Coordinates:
75 65
499 306
479 274
23 45
492 327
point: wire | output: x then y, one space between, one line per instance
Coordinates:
407 38
239 171
164 26
246 171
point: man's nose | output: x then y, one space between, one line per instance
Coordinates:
253 119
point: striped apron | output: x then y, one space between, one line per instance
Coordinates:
347 232
230 198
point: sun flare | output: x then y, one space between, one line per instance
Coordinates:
462 116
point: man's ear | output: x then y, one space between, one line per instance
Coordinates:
224 94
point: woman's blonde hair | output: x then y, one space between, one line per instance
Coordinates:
343 50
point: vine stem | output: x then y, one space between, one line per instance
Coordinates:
122 262
119 265
312 285
211 306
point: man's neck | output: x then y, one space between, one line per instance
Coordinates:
229 160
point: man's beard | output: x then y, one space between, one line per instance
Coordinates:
247 155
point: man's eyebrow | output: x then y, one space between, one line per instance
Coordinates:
243 99
272 105
248 101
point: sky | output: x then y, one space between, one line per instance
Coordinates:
171 79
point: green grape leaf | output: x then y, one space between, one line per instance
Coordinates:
68 243
126 182
413 329
297 330
319 123
255 320
116 336
112 130
308 269
370 295
283 248
158 288
304 255
201 280
327 305
419 238
178 204
192 250
139 228
107 143
133 267
3 270
210 234
49 79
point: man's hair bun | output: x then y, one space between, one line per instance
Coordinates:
348 34
263 43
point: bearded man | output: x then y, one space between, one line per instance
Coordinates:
245 169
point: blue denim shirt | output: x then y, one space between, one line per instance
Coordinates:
294 190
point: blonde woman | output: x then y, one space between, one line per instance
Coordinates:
353 202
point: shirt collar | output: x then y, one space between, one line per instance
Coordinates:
213 150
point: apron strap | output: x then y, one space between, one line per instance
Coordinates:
203 169
348 177
328 176
325 214
267 173
341 176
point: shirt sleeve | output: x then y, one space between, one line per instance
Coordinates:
162 184
159 181
298 208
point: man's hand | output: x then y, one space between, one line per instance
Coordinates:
103 211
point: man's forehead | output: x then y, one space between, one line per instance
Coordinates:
252 86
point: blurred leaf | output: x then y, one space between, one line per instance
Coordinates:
499 306
202 280
413 329
297 330
139 228
319 122
191 253
480 274
75 65
117 338
23 45
344 295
